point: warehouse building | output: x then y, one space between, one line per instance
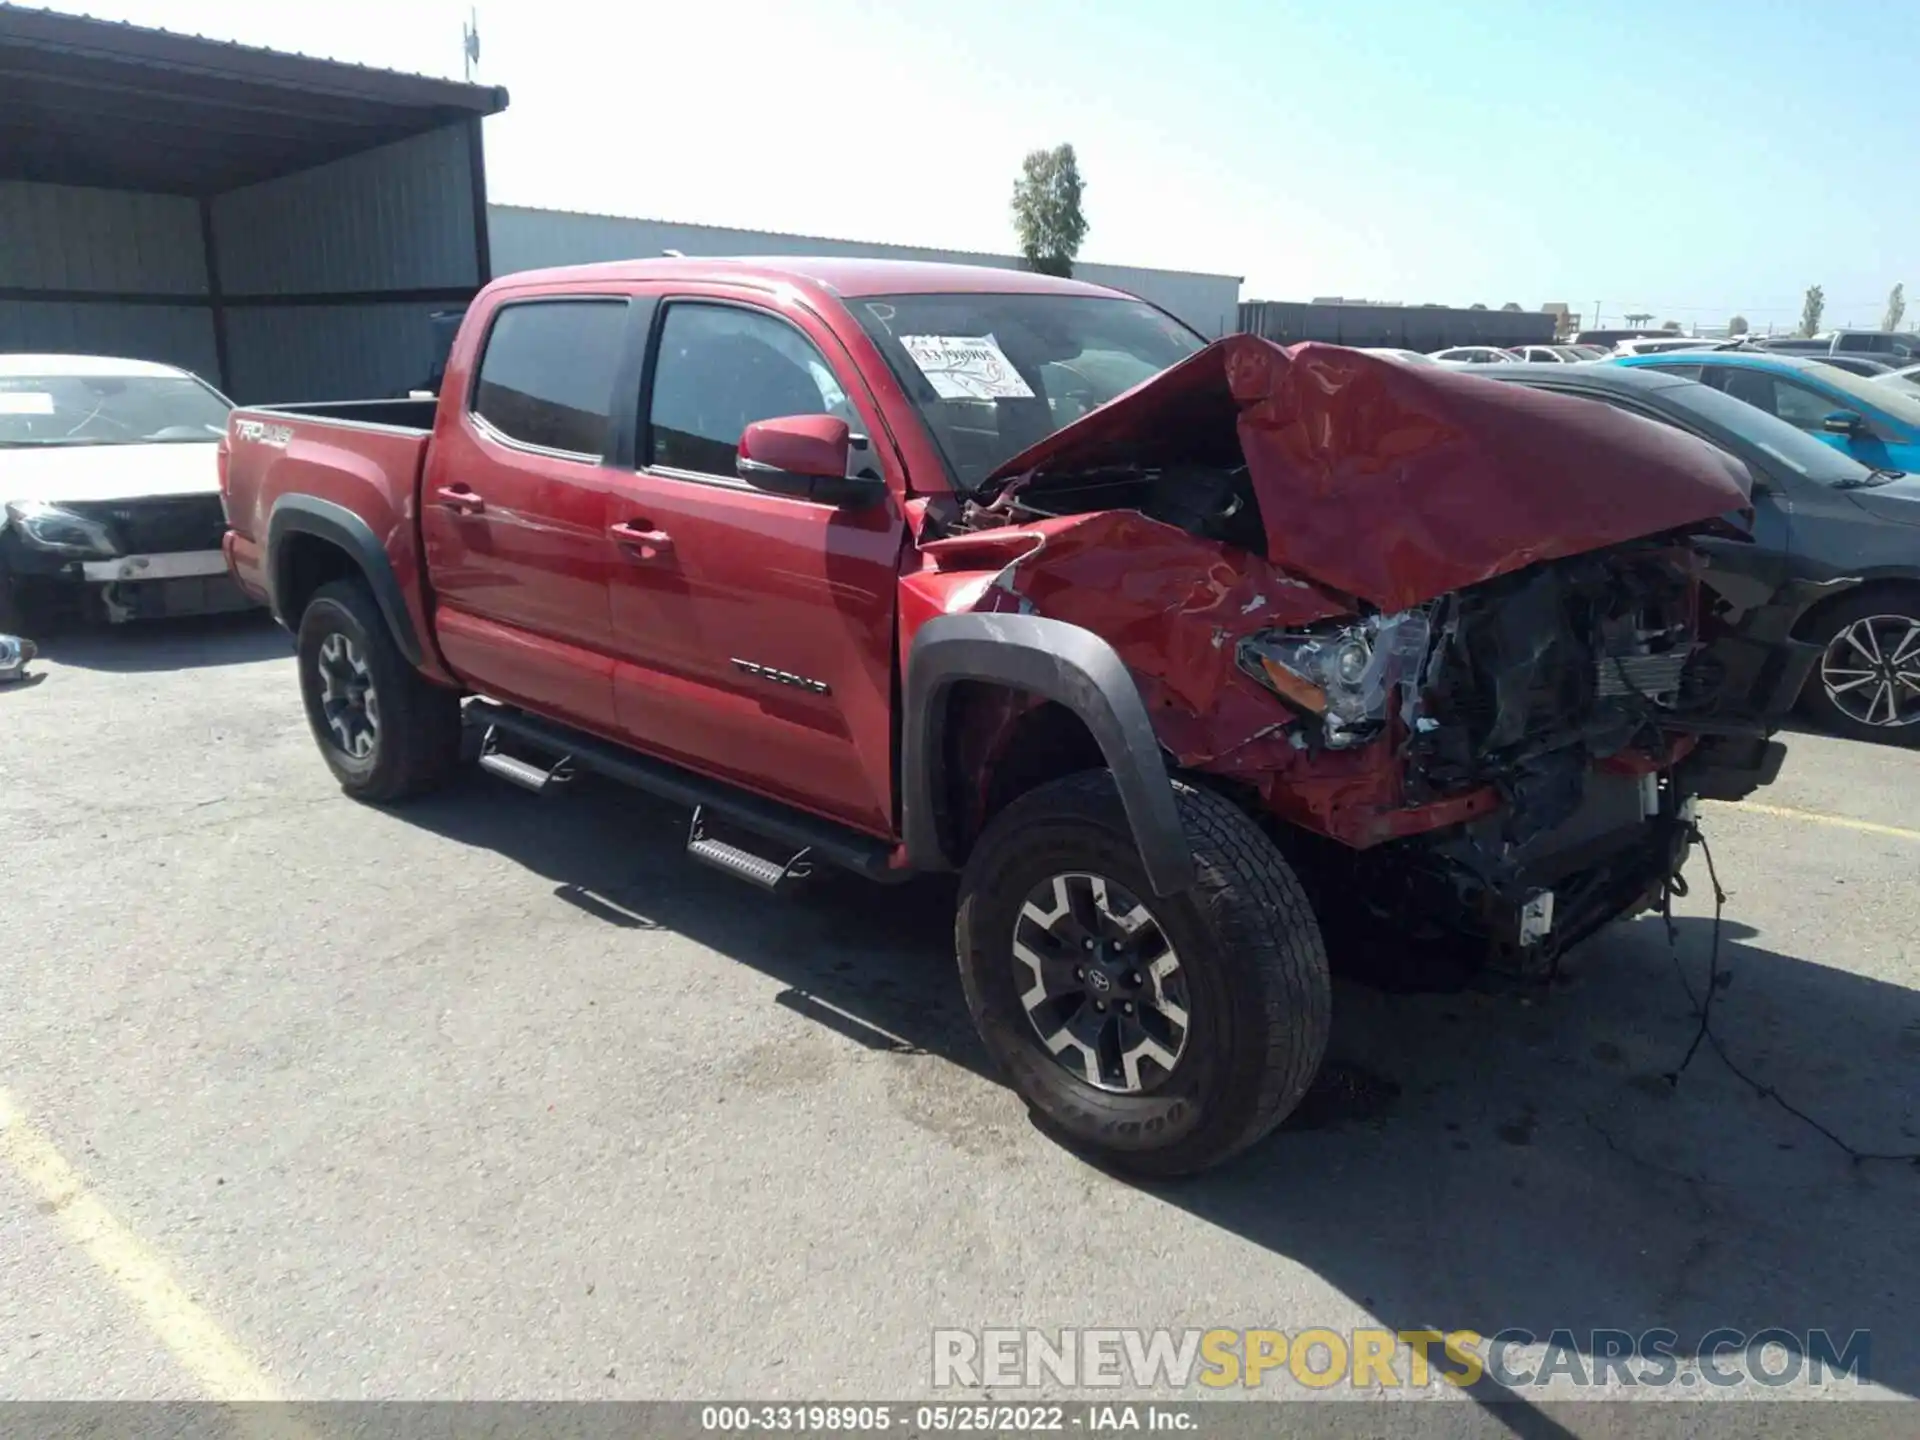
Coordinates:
528 239
1397 327
300 229
282 225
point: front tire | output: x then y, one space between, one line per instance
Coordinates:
385 730
1161 1034
1867 683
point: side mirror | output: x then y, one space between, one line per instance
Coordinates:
1845 422
807 457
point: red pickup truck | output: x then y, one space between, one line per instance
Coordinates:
1187 656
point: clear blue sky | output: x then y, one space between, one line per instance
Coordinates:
1644 154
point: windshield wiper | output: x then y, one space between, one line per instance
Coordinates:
1872 477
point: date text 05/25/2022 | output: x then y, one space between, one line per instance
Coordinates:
1101 1418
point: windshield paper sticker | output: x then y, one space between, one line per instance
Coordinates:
966 367
25 402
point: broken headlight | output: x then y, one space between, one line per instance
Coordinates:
1346 674
48 527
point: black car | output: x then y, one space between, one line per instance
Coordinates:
1835 549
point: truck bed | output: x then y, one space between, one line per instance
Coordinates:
346 473
388 414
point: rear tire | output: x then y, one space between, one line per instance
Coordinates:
384 729
1870 640
1207 1068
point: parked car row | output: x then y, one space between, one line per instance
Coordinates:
1556 354
1863 352
1896 347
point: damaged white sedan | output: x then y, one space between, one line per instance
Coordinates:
109 478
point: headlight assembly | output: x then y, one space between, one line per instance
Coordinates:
1345 674
48 527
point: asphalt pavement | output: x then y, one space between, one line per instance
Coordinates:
498 1096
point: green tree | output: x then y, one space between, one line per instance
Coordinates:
1046 210
1737 326
1476 306
1896 308
1811 309
1671 326
1510 306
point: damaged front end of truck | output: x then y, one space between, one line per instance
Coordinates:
1451 639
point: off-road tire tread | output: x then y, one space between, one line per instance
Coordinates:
1251 900
1270 915
419 719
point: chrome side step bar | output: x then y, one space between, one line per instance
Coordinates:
516 771
808 838
757 870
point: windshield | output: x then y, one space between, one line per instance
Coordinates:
108 410
1902 405
994 374
1794 449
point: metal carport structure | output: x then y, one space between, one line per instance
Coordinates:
284 225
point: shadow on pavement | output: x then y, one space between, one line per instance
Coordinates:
1481 1159
150 645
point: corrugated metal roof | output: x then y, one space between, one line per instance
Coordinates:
107 103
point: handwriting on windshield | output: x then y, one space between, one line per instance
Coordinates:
966 367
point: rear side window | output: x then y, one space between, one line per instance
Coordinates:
547 376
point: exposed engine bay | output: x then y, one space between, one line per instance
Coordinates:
1456 639
1520 682
1212 502
1570 688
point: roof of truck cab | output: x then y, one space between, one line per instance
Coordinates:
842 275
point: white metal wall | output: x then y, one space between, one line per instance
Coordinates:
528 239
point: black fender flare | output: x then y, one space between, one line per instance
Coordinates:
306 515
1060 662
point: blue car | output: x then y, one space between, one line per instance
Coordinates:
1876 424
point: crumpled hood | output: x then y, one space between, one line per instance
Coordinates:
60 474
1399 483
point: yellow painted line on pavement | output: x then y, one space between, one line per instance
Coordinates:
1814 817
200 1345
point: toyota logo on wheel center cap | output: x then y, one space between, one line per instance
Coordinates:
1098 980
